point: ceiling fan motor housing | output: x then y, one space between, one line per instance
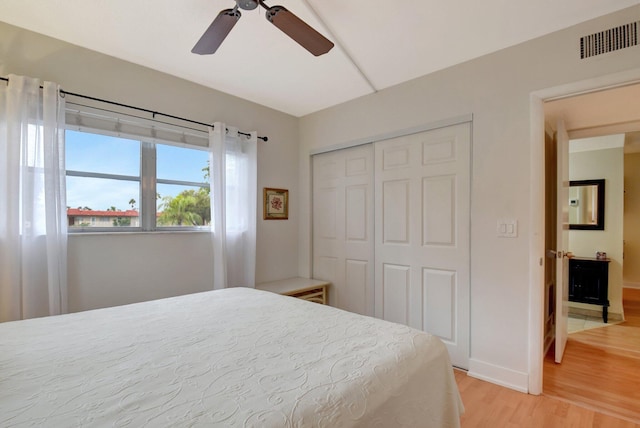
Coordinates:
247 4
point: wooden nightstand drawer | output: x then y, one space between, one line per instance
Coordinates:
312 290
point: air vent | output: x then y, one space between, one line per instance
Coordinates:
610 40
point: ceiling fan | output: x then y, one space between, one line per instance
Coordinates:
290 24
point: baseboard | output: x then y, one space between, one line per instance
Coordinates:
631 284
595 313
499 375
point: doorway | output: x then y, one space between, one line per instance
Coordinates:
593 114
536 233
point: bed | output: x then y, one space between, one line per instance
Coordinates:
237 357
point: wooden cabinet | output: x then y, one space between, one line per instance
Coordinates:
313 290
589 282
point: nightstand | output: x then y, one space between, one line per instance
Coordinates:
313 290
589 282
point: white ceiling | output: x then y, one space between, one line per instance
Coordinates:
600 114
585 114
390 42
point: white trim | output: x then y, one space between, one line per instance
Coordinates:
596 84
631 285
536 247
308 273
393 134
502 376
537 257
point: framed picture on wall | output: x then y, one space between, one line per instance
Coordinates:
276 204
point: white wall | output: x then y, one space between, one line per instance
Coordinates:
609 165
138 266
496 90
116 269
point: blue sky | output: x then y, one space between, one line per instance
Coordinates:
112 155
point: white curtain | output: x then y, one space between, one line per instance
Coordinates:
233 164
33 223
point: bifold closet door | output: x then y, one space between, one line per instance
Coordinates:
422 211
343 226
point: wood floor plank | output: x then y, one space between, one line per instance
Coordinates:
596 386
601 367
490 406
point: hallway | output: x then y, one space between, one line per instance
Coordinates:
601 367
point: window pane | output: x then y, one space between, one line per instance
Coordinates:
101 153
178 163
99 202
107 202
186 206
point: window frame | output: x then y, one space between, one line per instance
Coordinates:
147 185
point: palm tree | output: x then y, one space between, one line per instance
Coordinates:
180 210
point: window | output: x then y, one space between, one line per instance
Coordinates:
115 183
181 186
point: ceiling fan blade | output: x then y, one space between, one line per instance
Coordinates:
299 30
217 32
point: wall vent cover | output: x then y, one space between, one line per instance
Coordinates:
609 40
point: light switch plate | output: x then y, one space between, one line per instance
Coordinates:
507 228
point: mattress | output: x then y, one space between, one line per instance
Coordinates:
230 358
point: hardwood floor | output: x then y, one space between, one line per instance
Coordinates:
601 367
597 385
492 406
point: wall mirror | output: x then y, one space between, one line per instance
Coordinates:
586 204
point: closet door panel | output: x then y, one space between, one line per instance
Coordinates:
357 280
395 218
439 209
327 199
396 292
356 212
422 187
439 291
343 226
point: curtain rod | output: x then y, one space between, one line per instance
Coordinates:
153 113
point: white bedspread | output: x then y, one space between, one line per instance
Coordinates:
230 358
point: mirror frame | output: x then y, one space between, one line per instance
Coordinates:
600 192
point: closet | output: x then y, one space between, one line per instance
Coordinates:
391 223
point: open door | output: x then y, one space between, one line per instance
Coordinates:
562 244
